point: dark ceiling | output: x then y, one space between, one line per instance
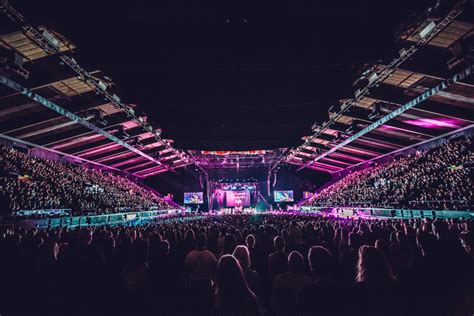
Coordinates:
228 74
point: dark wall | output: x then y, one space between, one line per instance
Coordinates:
185 180
298 181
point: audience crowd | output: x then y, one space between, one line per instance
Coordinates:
29 183
241 265
438 178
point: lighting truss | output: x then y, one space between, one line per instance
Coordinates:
442 86
387 71
50 45
75 118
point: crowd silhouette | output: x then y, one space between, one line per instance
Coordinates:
241 265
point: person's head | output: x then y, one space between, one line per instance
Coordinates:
140 251
164 248
242 254
50 250
382 245
190 236
279 244
85 236
230 280
372 267
201 241
296 262
250 241
354 240
320 261
468 225
467 241
440 228
229 244
426 242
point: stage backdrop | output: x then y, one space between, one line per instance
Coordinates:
232 196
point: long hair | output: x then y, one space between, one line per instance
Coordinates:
241 253
232 289
372 267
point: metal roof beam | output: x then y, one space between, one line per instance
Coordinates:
398 96
15 86
79 149
361 114
444 85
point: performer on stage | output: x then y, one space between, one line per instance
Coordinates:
238 206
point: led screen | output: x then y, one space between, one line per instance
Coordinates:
193 198
283 196
237 198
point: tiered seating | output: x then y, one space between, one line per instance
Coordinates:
439 178
33 183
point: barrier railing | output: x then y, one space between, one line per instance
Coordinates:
388 212
93 220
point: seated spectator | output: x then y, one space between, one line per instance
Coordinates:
467 241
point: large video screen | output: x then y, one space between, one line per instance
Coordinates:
283 196
237 198
193 198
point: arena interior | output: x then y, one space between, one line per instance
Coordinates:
237 158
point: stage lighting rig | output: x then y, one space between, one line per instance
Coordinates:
98 117
376 112
157 132
136 142
121 133
463 53
352 127
316 127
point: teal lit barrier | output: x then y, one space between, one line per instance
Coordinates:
389 213
93 220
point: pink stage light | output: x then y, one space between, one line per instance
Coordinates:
441 122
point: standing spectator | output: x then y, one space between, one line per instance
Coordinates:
233 296
278 260
251 276
322 297
287 286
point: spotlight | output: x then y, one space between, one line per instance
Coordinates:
121 133
352 127
136 142
157 132
376 111
99 117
